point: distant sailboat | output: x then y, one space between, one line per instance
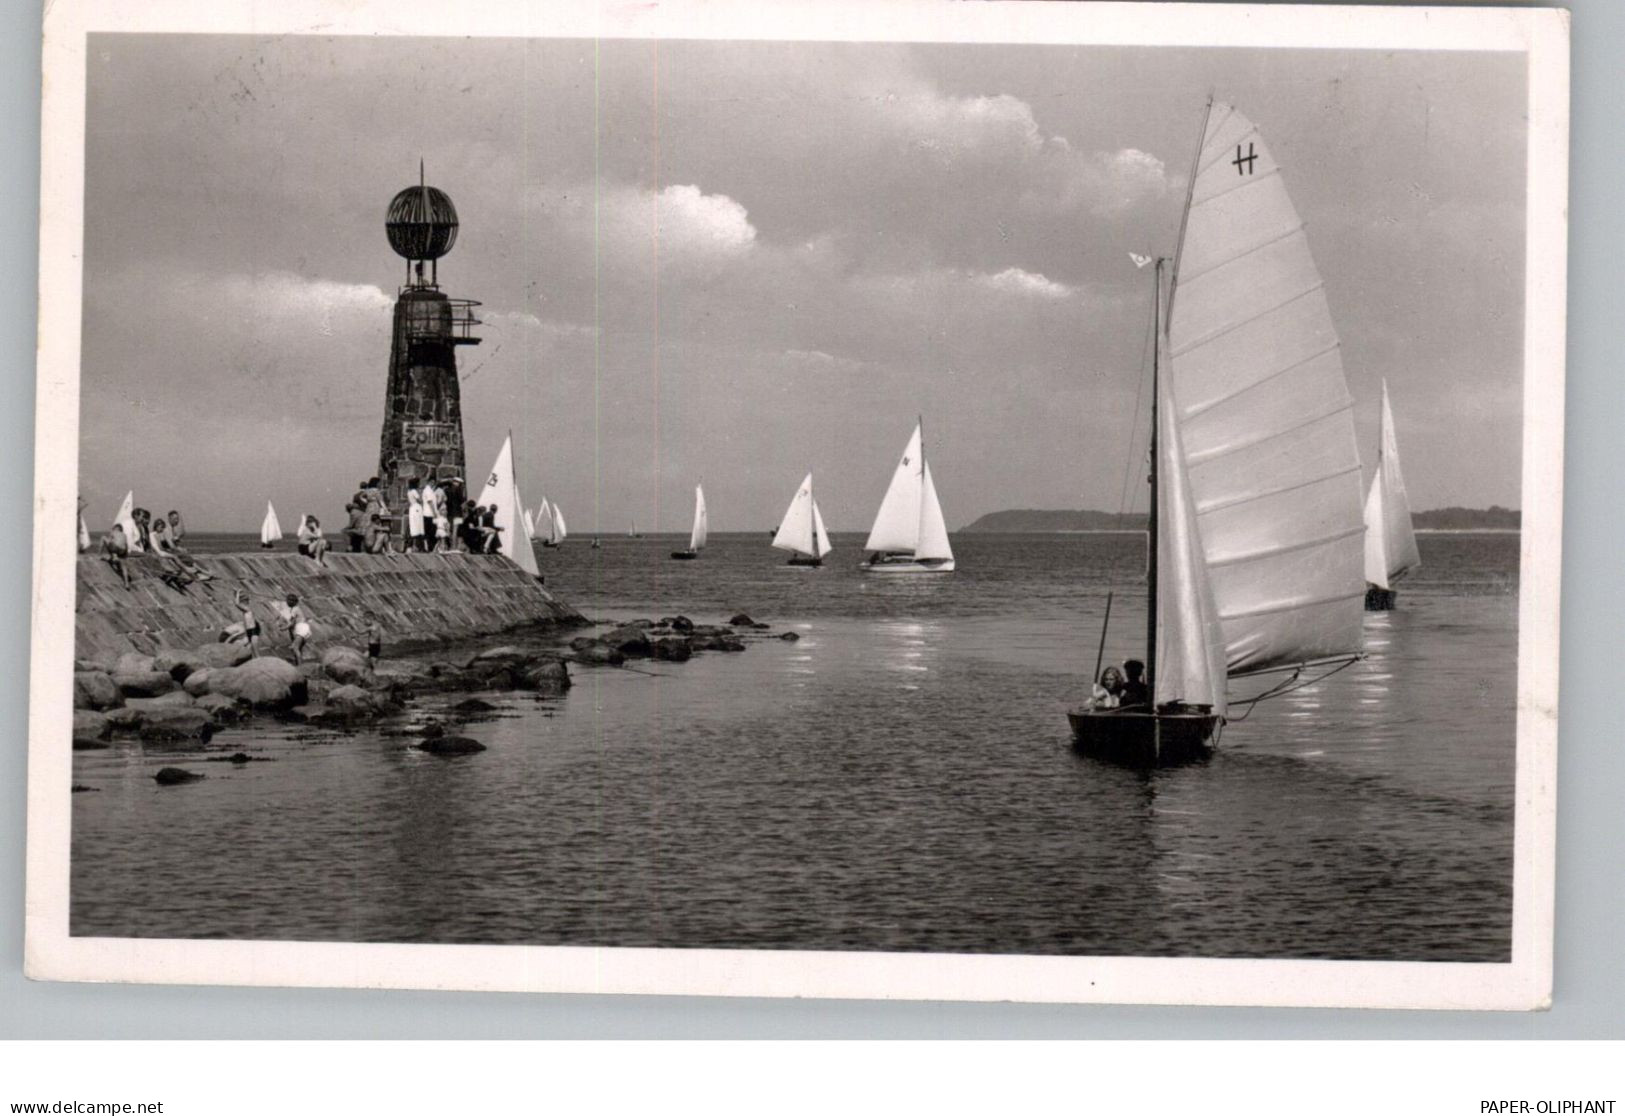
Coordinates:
543 527
632 532
270 529
126 519
559 531
696 537
1390 541
909 535
1254 525
501 494
802 530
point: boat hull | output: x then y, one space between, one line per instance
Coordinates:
1143 740
910 566
803 560
1378 599
551 545
685 555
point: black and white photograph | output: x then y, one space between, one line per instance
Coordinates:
1008 501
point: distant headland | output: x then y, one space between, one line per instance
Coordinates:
1034 521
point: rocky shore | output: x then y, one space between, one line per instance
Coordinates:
177 701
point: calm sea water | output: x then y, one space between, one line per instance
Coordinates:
900 779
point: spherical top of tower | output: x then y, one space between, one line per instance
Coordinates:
422 223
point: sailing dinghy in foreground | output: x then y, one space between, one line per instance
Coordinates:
802 531
1390 541
909 535
696 537
1255 526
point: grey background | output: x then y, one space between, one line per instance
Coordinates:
1590 980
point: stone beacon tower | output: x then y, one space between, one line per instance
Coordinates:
423 414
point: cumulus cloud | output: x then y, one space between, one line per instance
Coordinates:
1013 280
680 224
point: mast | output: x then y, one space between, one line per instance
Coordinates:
812 518
1151 526
919 521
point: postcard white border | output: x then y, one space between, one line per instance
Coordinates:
1523 983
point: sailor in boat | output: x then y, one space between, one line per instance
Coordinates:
1135 691
1108 692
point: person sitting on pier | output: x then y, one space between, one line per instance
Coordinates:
355 531
1135 691
312 544
177 529
183 571
1108 692
115 551
493 533
143 529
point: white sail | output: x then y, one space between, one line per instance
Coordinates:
530 522
796 530
897 523
1390 540
696 537
501 494
820 536
559 528
1264 412
126 519
541 523
933 529
1190 663
270 529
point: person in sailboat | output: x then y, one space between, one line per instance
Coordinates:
1107 693
116 551
1135 691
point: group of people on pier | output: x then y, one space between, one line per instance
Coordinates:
437 519
157 536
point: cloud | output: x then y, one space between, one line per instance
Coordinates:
283 293
680 225
1013 280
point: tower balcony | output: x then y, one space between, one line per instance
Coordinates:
448 321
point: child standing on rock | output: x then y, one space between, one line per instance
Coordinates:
246 628
298 627
375 639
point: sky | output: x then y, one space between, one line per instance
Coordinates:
737 262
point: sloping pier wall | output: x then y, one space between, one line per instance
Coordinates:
416 597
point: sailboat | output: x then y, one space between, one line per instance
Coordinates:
543 527
696 537
1255 524
909 535
802 530
1390 541
270 529
126 519
530 523
559 530
501 494
632 531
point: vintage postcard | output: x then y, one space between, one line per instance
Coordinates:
1016 501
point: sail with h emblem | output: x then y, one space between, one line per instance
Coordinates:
501 493
1256 528
909 534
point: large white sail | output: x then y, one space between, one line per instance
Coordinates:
933 528
126 519
1190 663
1264 412
270 529
501 494
897 523
796 529
696 537
559 528
820 536
530 522
1390 540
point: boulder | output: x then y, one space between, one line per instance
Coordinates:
90 729
197 683
761 627
644 623
175 699
132 662
450 746
546 677
179 665
741 620
717 643
172 726
123 719
93 689
346 666
355 701
473 705
143 684
789 637
317 689
176 776
630 640
594 653
505 655
218 655
222 709
433 730
267 683
673 649
682 624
